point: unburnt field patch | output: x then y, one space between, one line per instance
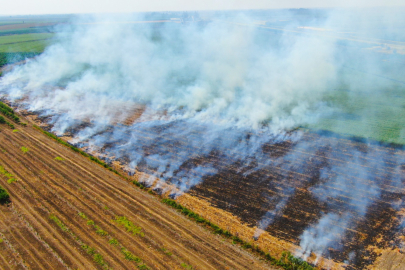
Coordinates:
66 211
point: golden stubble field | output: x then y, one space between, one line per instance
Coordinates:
71 213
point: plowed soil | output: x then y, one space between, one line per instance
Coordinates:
65 188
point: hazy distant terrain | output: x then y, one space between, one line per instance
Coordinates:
25 36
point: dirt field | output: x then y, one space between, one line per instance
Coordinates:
41 228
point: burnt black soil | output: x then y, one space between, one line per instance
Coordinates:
293 184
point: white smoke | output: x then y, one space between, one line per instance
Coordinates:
213 94
322 236
217 72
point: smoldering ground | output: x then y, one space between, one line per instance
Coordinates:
222 100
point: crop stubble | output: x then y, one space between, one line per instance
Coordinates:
65 188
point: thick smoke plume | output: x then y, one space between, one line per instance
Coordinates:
211 94
218 72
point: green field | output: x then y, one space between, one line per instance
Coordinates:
27 30
376 113
15 48
384 123
25 42
25 36
32 46
28 34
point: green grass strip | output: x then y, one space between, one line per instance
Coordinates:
4 121
8 112
186 266
112 241
287 261
97 257
96 160
58 222
129 226
9 176
4 107
4 196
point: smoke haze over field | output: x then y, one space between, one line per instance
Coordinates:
218 72
214 94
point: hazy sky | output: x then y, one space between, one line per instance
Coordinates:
97 6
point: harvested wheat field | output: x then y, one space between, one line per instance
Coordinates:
66 211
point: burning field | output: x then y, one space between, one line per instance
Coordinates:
289 139
323 194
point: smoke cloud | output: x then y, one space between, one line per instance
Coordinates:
218 72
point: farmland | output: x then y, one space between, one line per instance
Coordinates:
68 212
24 37
294 176
290 175
330 190
375 114
24 42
